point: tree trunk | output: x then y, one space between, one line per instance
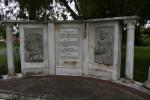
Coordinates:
32 10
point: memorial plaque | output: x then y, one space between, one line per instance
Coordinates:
69 43
103 53
33 40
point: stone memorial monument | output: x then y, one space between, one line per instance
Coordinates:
84 48
68 39
87 48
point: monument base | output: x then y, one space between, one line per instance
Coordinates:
147 84
14 76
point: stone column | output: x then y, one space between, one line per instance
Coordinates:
86 28
130 49
147 83
51 48
10 56
149 74
117 51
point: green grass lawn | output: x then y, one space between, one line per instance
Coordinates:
141 64
3 64
3 59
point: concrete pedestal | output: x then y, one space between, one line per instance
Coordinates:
130 50
147 83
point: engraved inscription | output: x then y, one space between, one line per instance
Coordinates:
33 45
103 53
69 43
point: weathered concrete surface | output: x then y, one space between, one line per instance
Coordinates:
133 84
129 69
10 54
147 84
67 88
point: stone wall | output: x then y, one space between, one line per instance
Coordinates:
87 47
71 48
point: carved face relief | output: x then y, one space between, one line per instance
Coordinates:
33 45
103 45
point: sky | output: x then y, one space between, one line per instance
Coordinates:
12 6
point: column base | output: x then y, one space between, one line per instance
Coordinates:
128 80
11 76
147 84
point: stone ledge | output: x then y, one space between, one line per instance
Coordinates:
15 76
134 84
147 84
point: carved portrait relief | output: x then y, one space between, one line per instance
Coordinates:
33 40
103 52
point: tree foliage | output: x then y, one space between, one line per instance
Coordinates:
84 9
37 9
78 9
3 31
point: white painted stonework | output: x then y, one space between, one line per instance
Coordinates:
10 56
130 49
73 49
109 67
147 83
149 74
68 46
87 48
30 67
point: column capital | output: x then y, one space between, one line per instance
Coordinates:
9 28
130 23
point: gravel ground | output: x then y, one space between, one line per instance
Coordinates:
65 88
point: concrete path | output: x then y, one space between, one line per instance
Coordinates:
67 88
